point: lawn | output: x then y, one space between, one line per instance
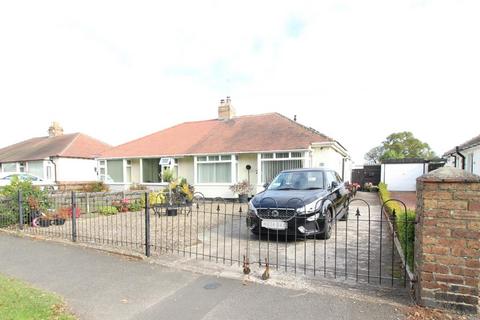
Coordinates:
20 301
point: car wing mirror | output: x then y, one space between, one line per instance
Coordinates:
334 184
265 185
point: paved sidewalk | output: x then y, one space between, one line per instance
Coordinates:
98 285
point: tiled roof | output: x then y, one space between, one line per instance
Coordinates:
264 132
466 145
74 145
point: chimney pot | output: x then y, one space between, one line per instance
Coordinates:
55 130
226 111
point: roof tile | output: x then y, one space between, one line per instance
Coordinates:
74 145
265 132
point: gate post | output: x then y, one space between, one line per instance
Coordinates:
147 225
74 217
447 240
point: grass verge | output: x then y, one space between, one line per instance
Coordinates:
21 301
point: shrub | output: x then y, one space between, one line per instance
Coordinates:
108 211
136 205
33 199
156 198
404 222
168 175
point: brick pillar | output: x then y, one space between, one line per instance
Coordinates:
447 240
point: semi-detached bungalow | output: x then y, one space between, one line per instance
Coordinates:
58 157
214 154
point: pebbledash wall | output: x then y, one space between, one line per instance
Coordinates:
447 242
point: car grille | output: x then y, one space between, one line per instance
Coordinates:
276 213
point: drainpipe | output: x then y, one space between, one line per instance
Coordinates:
343 169
54 169
457 150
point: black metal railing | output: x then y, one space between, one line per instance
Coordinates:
362 247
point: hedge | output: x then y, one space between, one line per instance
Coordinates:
405 227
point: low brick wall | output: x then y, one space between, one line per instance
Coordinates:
447 243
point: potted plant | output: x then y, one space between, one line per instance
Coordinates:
60 216
179 193
242 188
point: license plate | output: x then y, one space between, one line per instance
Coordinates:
274 224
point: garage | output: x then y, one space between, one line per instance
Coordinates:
402 174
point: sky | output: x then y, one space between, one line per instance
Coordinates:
354 70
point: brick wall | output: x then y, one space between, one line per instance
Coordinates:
447 240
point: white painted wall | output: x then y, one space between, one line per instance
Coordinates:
73 169
185 169
328 157
213 191
243 160
135 170
402 176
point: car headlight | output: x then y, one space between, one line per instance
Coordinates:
309 208
251 208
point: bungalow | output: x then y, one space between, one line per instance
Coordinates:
58 157
214 154
466 156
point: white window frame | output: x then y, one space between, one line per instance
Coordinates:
104 167
48 173
208 159
469 161
127 163
173 167
24 166
260 159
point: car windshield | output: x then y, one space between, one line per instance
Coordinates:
298 180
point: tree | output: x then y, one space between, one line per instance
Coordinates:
373 156
400 145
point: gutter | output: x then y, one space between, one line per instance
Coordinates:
457 151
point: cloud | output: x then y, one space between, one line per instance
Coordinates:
294 27
356 71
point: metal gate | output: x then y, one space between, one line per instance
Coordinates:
365 248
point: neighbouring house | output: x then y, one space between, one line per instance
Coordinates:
58 157
465 156
214 154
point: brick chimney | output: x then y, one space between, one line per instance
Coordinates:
55 130
226 111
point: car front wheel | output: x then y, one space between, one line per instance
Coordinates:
327 232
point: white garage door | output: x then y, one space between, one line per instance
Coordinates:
402 176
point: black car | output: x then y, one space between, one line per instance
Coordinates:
300 202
